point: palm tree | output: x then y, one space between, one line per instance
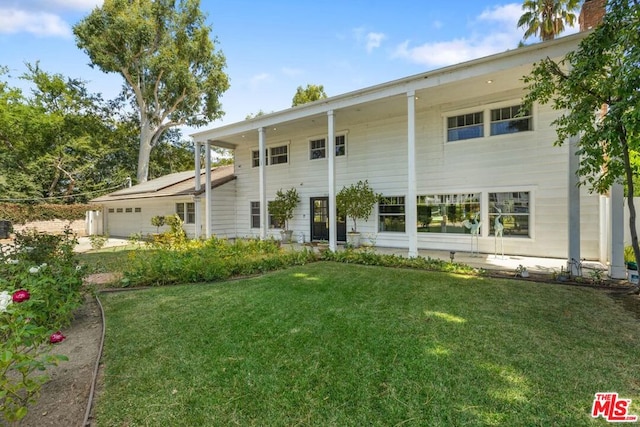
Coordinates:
547 18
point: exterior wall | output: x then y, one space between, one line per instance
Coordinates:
223 211
124 224
377 151
55 226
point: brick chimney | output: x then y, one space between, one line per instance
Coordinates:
591 14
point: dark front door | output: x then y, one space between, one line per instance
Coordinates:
320 221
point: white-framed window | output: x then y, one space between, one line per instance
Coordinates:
273 223
391 214
341 145
255 214
273 156
255 158
510 119
317 148
445 213
111 210
186 212
509 212
279 155
138 210
128 210
118 210
465 126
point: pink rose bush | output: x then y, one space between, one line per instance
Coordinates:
40 288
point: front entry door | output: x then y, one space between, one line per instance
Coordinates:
320 221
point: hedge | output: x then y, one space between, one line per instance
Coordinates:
21 214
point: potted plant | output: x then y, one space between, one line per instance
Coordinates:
356 202
282 210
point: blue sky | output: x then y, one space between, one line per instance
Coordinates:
272 47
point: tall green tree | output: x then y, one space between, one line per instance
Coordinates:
309 94
596 90
164 51
547 18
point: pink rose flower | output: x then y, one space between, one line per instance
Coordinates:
56 337
21 296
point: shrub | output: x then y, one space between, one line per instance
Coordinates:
37 299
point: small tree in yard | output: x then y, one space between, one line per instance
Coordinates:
596 89
283 206
356 202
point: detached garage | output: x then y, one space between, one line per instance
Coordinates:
129 211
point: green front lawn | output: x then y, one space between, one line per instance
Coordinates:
348 345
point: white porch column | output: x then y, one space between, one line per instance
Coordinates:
196 199
574 206
263 184
207 189
411 208
617 269
331 182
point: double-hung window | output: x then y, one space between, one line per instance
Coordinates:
186 212
255 214
279 155
317 148
391 214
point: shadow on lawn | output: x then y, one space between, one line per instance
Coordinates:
628 302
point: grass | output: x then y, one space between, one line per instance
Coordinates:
106 260
347 345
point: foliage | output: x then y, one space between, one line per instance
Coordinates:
210 260
368 256
628 254
283 205
602 76
98 241
356 201
547 18
309 94
157 221
174 238
44 297
164 52
330 344
21 214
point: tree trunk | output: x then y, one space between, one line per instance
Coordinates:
630 191
144 153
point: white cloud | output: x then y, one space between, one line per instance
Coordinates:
374 40
494 30
370 40
39 23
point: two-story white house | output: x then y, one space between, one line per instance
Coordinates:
441 147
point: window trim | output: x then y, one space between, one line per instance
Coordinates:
341 134
268 154
185 212
253 215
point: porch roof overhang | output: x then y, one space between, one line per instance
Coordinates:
438 87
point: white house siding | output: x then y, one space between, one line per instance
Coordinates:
223 211
377 151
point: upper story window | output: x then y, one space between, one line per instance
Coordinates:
317 148
341 145
465 126
272 156
510 120
278 155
